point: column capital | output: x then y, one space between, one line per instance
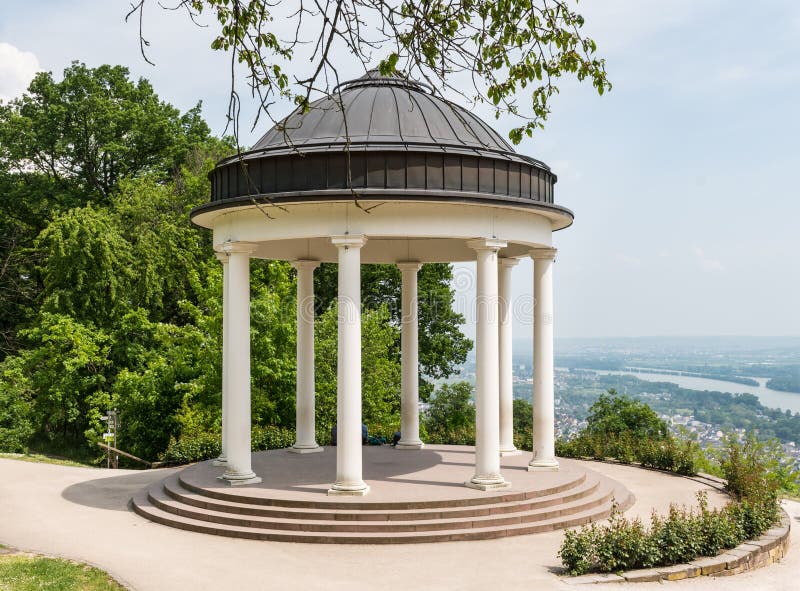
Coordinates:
305 264
409 265
492 244
231 247
222 257
349 241
544 254
505 262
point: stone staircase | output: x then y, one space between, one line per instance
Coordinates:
177 502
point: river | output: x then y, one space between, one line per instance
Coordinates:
769 398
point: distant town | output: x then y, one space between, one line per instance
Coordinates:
740 368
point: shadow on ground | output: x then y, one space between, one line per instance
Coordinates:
281 470
112 492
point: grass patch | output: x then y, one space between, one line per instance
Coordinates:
43 459
20 572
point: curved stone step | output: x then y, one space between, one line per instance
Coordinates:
158 497
142 506
174 489
241 496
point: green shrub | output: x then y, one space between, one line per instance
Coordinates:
192 448
578 550
201 446
16 425
271 437
671 453
746 468
678 536
717 530
623 544
458 436
683 535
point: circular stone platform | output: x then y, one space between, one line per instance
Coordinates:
415 496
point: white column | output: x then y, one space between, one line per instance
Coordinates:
348 390
506 362
544 454
222 460
409 359
487 391
239 470
306 439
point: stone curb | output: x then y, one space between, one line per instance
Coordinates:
750 555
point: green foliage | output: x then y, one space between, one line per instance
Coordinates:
34 573
94 128
630 431
451 415
523 424
87 265
679 537
273 343
788 381
729 411
201 446
16 426
67 369
442 345
111 298
684 534
614 414
67 149
755 469
577 549
504 48
380 372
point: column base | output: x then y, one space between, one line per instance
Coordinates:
240 479
409 445
510 452
338 492
487 485
305 450
220 461
543 466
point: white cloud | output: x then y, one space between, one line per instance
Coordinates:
707 263
17 69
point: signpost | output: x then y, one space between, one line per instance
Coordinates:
112 424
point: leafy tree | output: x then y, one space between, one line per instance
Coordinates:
68 144
502 48
94 128
273 336
450 409
442 345
380 371
749 464
86 271
113 298
67 372
616 414
16 426
523 417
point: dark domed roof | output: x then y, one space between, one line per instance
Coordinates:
383 138
383 110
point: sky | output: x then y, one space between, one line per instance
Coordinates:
683 179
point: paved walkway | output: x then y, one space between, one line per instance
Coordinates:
82 514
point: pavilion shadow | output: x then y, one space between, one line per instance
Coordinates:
112 492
